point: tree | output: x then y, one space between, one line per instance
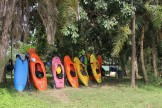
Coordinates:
154 10
142 52
149 19
134 65
6 17
15 19
48 12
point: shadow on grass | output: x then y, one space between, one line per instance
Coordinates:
9 85
106 82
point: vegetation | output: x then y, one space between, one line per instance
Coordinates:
105 95
129 31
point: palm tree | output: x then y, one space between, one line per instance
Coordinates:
142 52
151 23
155 17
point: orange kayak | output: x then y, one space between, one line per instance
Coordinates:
31 50
37 71
71 72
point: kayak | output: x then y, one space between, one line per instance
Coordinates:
81 71
58 72
32 50
99 59
20 72
37 71
95 68
71 72
84 60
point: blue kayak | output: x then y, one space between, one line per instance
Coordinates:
20 72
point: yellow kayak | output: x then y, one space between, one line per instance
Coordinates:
81 71
95 68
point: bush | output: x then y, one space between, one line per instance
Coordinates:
24 47
154 80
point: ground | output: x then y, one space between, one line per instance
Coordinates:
111 93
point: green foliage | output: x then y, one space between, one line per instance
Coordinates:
82 52
101 4
156 81
97 25
120 40
99 21
83 14
155 14
139 23
126 10
108 23
71 30
153 80
75 6
42 44
24 47
67 13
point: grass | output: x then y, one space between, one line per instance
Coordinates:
110 94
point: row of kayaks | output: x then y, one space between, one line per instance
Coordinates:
29 69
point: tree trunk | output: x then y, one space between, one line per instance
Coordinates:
133 50
7 10
136 72
142 54
154 60
48 13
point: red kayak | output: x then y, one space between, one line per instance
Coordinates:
99 59
71 72
37 71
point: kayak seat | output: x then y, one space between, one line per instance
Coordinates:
60 75
39 74
97 70
83 72
73 74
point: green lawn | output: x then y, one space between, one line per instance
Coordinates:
105 95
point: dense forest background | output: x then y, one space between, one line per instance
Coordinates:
130 31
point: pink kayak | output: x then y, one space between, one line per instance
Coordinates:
58 72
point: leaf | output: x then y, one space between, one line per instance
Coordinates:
122 37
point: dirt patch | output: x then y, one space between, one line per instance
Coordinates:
60 95
52 94
57 94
